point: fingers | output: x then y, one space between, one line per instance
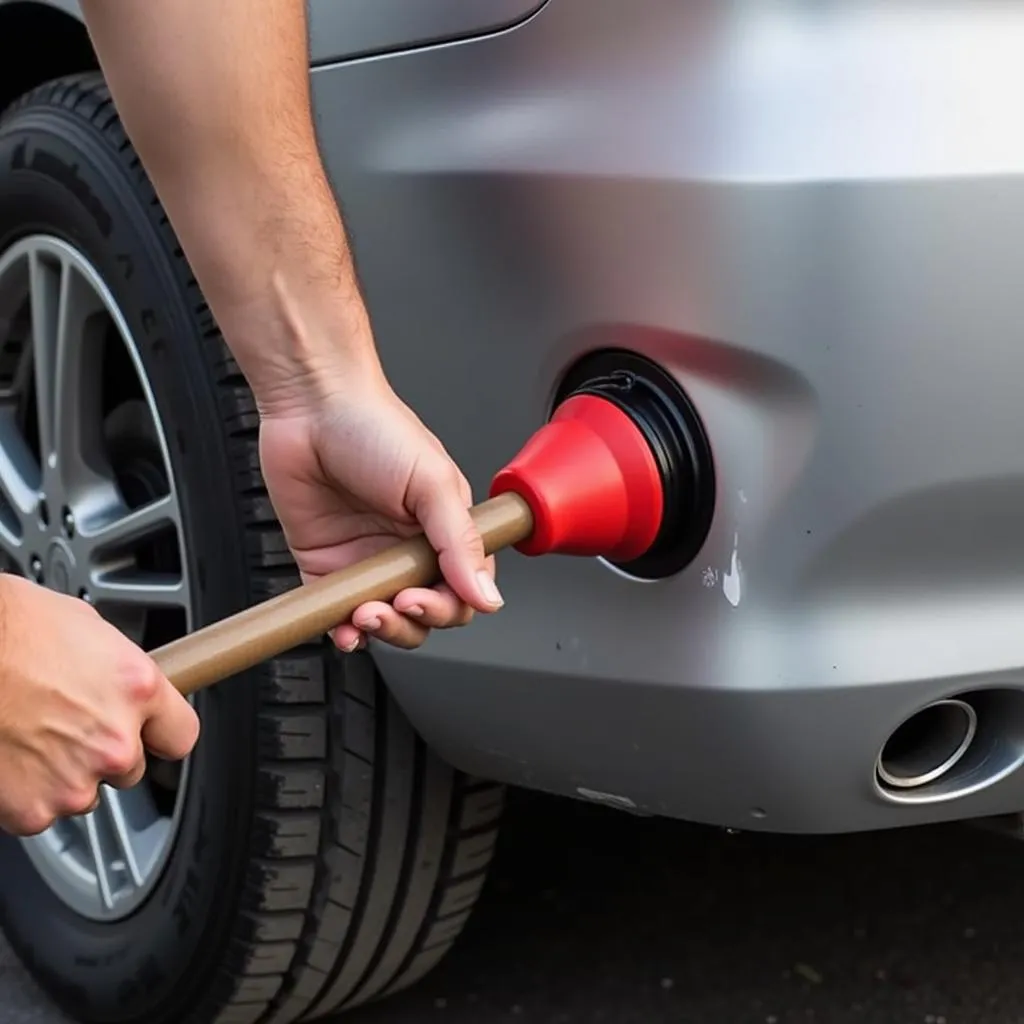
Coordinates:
440 506
122 762
172 728
347 638
74 791
435 608
25 818
131 777
406 623
381 621
75 804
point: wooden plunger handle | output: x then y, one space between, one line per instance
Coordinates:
234 644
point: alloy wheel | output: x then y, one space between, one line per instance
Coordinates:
88 507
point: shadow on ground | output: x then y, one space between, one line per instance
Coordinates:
591 917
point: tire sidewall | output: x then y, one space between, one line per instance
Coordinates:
58 176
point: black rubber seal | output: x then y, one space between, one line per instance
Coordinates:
660 408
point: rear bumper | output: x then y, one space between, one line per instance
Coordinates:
816 222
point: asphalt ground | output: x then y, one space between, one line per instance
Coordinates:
594 917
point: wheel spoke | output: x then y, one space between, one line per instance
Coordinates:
17 390
119 529
68 372
138 589
111 801
45 296
99 860
19 480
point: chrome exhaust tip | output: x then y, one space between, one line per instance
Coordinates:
927 745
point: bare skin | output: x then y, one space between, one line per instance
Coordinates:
78 704
349 467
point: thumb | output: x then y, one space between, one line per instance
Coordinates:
441 511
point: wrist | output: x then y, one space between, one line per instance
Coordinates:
301 331
301 346
278 275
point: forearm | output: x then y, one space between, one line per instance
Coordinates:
215 96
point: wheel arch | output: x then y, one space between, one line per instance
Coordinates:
41 40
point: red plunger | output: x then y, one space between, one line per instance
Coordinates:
591 482
586 483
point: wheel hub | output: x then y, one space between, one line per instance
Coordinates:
59 567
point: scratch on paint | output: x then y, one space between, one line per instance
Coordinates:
732 584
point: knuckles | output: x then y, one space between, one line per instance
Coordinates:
121 755
471 540
141 680
30 821
75 801
440 477
35 817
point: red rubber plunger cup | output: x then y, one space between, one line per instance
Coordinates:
591 481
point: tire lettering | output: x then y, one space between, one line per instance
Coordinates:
68 176
149 325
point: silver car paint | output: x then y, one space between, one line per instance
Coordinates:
345 28
813 214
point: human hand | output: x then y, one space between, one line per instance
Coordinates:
79 702
351 473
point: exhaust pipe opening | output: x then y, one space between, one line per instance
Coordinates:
928 744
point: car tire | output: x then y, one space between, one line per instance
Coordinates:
324 857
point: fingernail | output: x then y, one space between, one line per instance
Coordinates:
490 588
415 611
350 647
371 625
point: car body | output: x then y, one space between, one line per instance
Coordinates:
812 216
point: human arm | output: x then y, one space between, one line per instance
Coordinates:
215 96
